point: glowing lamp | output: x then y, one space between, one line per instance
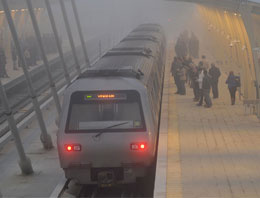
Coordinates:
69 148
106 96
138 146
73 147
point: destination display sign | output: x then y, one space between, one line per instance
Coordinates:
105 96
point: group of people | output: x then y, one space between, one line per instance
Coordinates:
197 76
187 45
201 79
30 50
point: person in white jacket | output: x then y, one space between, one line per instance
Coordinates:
200 80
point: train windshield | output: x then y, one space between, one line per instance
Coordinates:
119 111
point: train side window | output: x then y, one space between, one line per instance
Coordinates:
155 99
152 104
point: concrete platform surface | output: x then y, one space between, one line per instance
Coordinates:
47 172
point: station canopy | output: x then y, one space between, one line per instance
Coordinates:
20 4
231 5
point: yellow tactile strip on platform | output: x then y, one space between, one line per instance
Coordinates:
174 187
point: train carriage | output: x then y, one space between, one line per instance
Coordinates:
110 115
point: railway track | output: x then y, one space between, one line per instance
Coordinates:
142 188
71 189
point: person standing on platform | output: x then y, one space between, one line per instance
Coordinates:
174 68
232 86
194 82
187 65
206 89
176 65
14 56
215 73
181 48
183 78
200 80
27 57
194 46
205 62
3 73
33 49
238 79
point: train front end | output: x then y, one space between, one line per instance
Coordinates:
105 136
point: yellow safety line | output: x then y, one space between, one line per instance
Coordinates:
174 184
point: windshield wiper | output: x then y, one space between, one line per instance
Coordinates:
115 125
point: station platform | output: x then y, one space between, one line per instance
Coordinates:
213 153
206 153
47 173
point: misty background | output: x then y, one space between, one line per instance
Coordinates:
104 23
108 21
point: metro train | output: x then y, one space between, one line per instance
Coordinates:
109 124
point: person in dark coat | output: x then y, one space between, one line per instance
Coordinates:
3 73
215 73
194 46
183 78
176 65
32 53
194 75
205 62
181 47
27 56
206 84
14 56
173 67
232 83
186 64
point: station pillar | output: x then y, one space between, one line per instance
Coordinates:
245 11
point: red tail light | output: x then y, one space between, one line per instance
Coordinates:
138 146
73 147
69 148
142 146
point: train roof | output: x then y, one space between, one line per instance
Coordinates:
145 32
124 60
155 25
132 57
133 63
137 44
154 36
123 66
148 27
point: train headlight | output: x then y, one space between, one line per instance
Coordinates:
73 147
